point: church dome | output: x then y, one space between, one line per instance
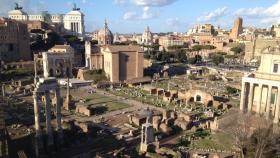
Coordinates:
105 36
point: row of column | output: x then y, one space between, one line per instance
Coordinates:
37 109
250 100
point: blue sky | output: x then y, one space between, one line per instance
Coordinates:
129 16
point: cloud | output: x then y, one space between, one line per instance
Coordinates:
264 15
145 15
173 23
130 15
153 3
213 15
119 2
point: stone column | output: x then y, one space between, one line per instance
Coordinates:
48 118
58 112
251 97
268 102
243 97
260 99
276 115
38 142
3 90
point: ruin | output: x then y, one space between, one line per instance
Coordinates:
43 88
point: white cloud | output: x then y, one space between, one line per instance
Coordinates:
264 15
145 15
154 3
119 2
173 23
130 15
213 15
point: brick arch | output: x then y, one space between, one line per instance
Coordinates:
193 95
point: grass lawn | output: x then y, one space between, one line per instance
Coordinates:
95 100
218 141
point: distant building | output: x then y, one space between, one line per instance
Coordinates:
237 28
260 91
119 62
58 61
105 35
204 29
14 41
167 41
147 37
73 21
254 48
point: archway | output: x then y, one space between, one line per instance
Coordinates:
198 98
210 103
191 99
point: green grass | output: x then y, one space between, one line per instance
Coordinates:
219 141
95 100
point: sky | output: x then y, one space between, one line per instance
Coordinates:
132 16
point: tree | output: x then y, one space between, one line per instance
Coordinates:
94 42
147 55
181 56
231 90
212 77
198 58
192 61
236 50
217 59
192 77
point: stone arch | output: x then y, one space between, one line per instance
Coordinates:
210 103
198 98
191 99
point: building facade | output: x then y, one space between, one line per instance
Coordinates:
105 35
73 21
58 61
14 41
147 37
119 62
260 91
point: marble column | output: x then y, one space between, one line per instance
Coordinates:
58 112
276 115
260 99
48 117
3 90
243 97
251 97
38 142
268 102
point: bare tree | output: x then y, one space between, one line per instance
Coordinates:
242 133
264 138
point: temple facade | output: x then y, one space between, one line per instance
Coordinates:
260 92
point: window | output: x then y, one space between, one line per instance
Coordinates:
275 68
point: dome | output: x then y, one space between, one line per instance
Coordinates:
105 36
105 31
